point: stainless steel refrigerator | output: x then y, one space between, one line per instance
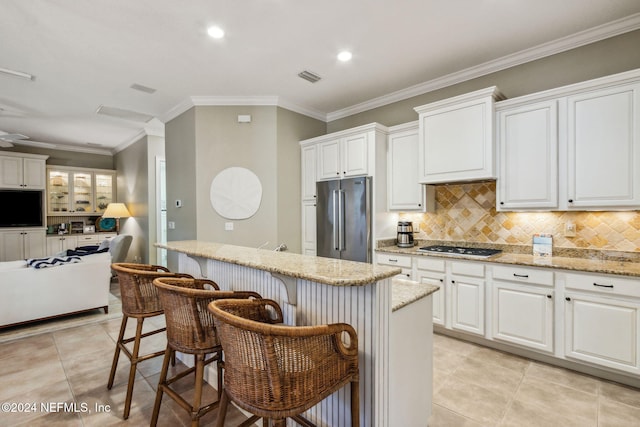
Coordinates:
343 218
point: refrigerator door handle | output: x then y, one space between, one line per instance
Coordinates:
334 194
341 222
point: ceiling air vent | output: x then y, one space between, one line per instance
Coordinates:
121 113
309 76
142 88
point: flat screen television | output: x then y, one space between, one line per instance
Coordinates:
21 208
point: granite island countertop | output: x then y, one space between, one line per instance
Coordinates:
329 271
591 261
404 292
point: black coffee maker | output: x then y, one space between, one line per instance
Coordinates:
405 234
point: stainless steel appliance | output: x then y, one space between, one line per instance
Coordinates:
405 234
343 219
459 250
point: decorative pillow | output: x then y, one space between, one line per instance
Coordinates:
52 262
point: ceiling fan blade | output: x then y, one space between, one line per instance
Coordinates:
13 137
5 144
35 143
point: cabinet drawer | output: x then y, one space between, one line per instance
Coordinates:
395 260
467 269
524 275
610 285
431 264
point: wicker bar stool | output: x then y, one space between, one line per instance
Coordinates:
190 330
277 372
140 301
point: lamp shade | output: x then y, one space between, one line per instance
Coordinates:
116 210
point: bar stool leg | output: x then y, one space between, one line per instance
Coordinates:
197 399
132 370
116 355
355 403
222 409
168 355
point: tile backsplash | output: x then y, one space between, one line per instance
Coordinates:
466 212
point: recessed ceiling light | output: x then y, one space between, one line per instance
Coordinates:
215 32
345 56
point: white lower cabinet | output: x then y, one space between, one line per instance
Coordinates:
602 321
523 307
595 321
309 227
22 244
432 272
467 285
57 244
402 261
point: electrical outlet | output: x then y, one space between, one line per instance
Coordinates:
228 226
569 229
171 225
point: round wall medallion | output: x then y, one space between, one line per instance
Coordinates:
236 193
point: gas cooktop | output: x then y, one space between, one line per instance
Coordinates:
458 250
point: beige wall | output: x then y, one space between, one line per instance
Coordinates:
136 189
211 138
180 153
603 58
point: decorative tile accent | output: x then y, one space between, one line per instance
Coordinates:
466 212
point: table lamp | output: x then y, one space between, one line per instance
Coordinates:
117 211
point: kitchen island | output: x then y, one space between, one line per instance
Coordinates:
313 290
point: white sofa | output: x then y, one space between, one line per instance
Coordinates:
28 294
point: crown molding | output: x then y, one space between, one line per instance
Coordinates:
582 38
200 101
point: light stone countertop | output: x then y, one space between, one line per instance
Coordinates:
329 271
404 292
585 261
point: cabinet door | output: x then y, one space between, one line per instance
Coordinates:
35 243
10 172
309 172
309 228
105 191
457 143
467 304
329 160
82 193
404 190
602 331
528 147
355 155
58 189
439 297
11 245
34 174
533 329
604 148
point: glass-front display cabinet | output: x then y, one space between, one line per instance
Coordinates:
104 190
79 191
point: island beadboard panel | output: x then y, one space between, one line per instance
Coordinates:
366 308
466 212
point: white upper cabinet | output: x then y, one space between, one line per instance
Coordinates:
344 157
308 172
405 193
603 141
456 140
528 156
572 148
22 171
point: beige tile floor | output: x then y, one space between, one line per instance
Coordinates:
477 386
473 385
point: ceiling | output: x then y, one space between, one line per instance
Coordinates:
84 54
